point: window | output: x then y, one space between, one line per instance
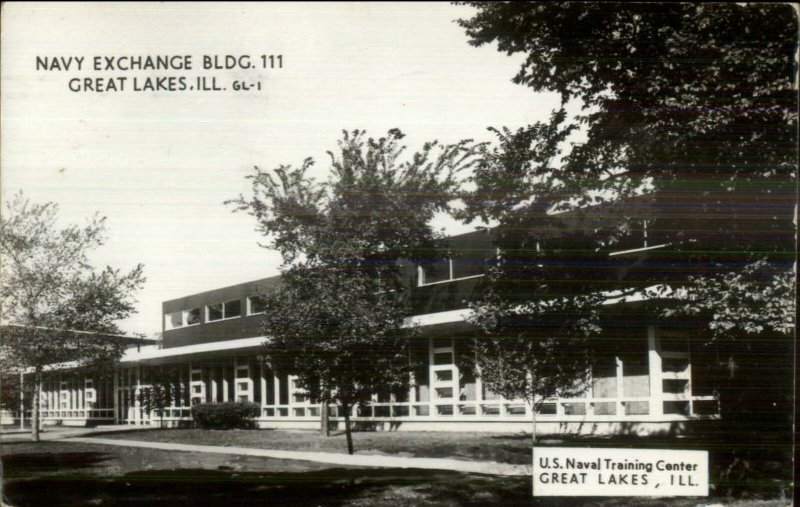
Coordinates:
637 408
604 408
227 310
675 386
173 320
256 304
574 408
233 309
440 358
676 407
436 271
193 316
465 267
633 237
444 392
445 270
635 368
214 312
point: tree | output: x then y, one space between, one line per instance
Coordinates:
337 320
539 308
694 105
669 90
518 363
56 307
340 333
157 397
694 99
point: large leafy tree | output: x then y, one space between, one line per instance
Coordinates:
697 100
56 307
336 320
682 90
694 106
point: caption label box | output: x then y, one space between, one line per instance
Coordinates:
581 471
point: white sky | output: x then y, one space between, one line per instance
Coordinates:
160 165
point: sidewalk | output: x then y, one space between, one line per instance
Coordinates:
477 467
15 434
83 435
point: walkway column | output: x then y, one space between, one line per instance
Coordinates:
21 401
136 405
262 387
224 383
115 393
654 371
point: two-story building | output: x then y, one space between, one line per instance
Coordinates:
649 374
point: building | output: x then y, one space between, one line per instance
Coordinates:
649 375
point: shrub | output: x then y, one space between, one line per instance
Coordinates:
225 415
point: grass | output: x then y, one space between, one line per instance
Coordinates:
769 475
62 473
467 446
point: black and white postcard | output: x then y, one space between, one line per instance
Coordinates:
367 253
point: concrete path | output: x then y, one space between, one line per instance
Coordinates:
478 467
84 435
61 432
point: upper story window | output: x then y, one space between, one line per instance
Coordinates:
227 310
173 320
256 304
182 318
634 238
446 270
193 316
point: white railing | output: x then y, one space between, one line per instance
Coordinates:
597 409
78 413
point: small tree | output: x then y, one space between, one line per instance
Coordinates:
518 359
339 334
538 307
55 306
336 321
157 397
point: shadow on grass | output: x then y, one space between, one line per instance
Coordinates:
156 429
330 487
147 429
22 465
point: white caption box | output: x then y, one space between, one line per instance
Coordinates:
574 471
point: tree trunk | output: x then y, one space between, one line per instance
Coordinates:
37 384
324 426
347 429
533 423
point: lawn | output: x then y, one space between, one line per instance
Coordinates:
515 449
60 473
769 476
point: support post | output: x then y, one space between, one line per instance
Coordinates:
324 426
21 401
115 395
654 371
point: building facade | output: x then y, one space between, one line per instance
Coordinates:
645 379
650 374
